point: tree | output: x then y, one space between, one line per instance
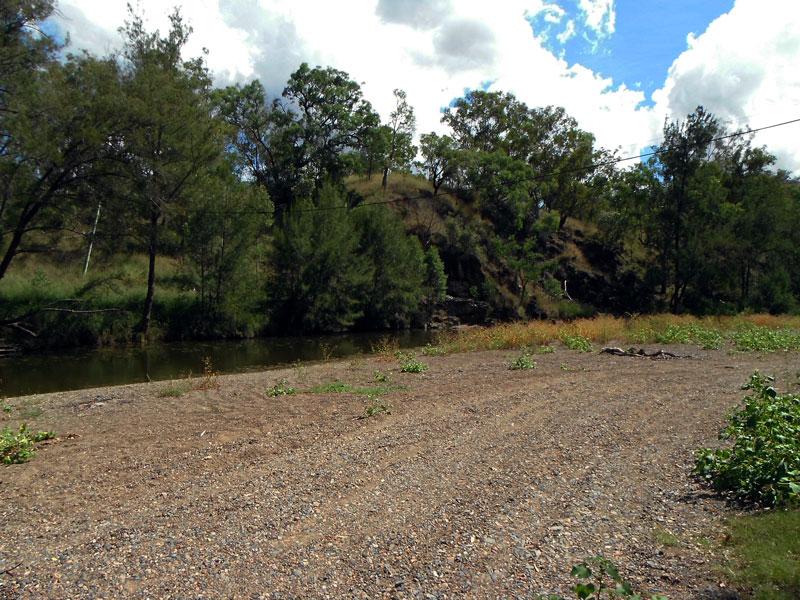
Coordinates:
397 265
439 159
172 136
319 278
679 164
400 150
225 219
63 129
23 48
310 135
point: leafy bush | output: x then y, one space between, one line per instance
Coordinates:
522 362
764 339
412 365
19 446
282 388
600 578
576 342
708 339
763 463
376 407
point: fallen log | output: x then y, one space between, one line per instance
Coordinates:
642 353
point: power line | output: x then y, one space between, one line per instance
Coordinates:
561 171
537 177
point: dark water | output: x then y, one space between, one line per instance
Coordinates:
69 370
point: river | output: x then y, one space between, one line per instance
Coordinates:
22 374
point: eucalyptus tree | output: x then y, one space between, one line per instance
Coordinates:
313 133
439 159
400 149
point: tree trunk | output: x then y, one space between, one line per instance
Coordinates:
385 180
152 248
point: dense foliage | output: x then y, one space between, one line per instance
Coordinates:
137 200
762 464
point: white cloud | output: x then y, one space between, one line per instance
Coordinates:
744 69
743 65
599 15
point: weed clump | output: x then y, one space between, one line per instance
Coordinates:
522 362
174 390
376 407
692 333
282 388
576 342
762 465
764 339
599 578
409 364
19 446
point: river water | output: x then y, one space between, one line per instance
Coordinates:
23 374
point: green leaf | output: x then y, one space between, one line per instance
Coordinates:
582 571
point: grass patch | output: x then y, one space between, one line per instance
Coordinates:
18 446
334 387
174 390
339 387
767 548
665 538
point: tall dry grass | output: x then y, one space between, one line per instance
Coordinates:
601 330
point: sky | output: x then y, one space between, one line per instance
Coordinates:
620 67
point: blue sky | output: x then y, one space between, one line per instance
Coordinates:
648 36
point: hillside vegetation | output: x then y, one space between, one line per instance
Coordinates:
139 202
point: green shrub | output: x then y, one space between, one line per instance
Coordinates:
762 464
600 578
764 339
376 407
412 365
19 446
576 342
522 362
282 388
708 339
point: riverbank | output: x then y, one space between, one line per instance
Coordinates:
482 481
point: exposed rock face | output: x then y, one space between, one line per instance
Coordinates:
460 311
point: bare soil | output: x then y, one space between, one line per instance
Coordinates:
482 482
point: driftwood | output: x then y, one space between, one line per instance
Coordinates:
642 353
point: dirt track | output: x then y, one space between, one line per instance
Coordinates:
482 483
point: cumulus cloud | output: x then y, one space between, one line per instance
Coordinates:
464 44
743 68
419 14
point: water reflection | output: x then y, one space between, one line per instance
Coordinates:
39 373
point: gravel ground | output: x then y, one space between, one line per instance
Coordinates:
481 483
